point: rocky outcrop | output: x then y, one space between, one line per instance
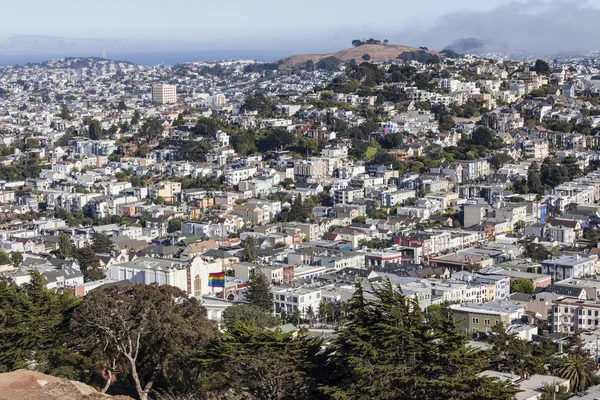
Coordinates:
29 385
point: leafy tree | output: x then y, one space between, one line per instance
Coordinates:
34 331
250 251
554 173
95 130
534 181
300 210
122 106
179 121
357 42
267 364
16 257
541 92
542 67
483 136
4 258
101 243
244 142
258 102
548 393
152 129
65 113
65 247
247 314
258 291
135 120
206 127
89 263
521 285
174 225
192 151
32 144
277 139
386 350
498 160
152 330
536 252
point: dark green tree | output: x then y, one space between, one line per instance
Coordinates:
16 257
152 330
64 112
387 350
95 130
542 67
248 314
534 181
4 258
89 263
250 251
206 127
135 120
65 247
258 291
536 252
498 160
152 129
101 243
122 106
174 225
268 364
34 330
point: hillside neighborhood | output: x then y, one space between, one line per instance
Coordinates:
471 186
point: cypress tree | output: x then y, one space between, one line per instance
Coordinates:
388 350
259 292
250 249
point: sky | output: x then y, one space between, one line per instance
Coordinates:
317 25
237 19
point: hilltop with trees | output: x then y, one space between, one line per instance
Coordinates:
377 52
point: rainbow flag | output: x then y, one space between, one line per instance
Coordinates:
216 279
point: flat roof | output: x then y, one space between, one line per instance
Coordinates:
495 308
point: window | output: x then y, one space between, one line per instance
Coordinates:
197 288
487 321
580 322
589 313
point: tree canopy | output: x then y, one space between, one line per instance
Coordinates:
258 291
148 329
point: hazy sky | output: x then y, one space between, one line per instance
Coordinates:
308 24
221 20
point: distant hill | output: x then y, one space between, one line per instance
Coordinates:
365 52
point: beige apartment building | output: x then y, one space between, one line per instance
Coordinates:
163 93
